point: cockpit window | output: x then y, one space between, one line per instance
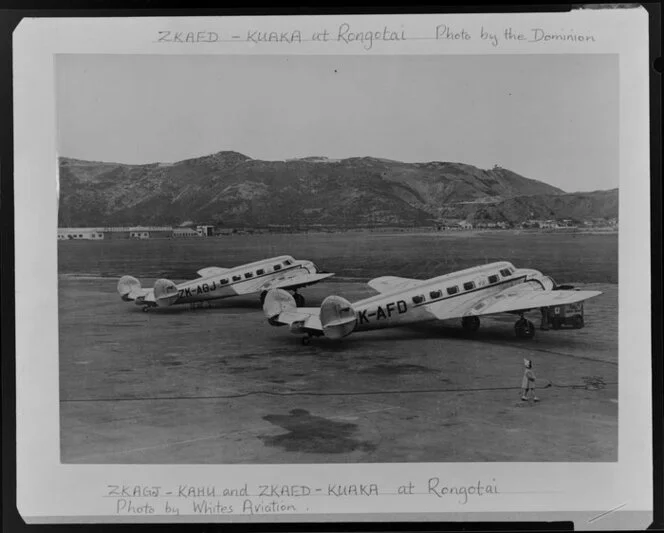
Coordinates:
493 278
288 262
505 272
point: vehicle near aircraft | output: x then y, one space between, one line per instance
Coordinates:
558 316
491 289
283 272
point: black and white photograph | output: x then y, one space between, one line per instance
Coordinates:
334 269
299 259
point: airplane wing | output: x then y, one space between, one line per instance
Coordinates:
522 297
297 282
392 283
524 302
288 281
211 271
141 295
304 320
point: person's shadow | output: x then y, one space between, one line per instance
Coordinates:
308 433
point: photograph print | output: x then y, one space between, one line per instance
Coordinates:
337 259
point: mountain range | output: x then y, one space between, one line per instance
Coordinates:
230 189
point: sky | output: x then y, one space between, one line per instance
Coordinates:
553 118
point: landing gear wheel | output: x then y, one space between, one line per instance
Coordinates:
306 341
470 323
299 299
524 329
556 323
263 296
577 322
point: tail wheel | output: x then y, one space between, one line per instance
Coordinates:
263 295
524 329
470 323
299 299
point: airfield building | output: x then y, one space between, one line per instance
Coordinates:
205 231
80 233
116 233
150 232
185 233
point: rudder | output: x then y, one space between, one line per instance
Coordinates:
165 292
127 285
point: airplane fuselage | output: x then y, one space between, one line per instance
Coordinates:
244 279
459 289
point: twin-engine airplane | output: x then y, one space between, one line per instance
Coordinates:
486 290
281 272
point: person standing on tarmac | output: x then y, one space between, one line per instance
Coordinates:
528 382
544 326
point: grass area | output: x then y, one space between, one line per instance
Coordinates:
569 258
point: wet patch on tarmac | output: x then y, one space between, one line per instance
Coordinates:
309 433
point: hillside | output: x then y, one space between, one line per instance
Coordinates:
232 189
573 206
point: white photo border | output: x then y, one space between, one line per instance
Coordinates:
48 491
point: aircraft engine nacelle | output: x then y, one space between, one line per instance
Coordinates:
165 292
337 317
126 285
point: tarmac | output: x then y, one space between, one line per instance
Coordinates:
221 386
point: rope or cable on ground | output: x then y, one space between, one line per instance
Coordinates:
311 393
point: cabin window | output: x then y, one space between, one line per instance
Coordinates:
249 275
223 282
260 272
435 294
505 272
237 278
277 267
469 286
288 262
418 299
452 290
493 278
